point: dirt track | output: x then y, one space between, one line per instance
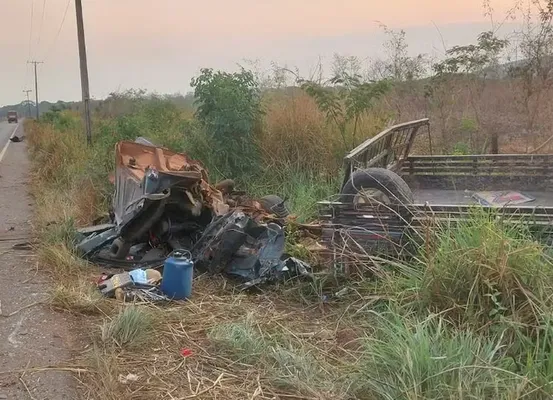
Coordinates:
32 335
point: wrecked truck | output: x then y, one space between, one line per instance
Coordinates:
389 196
163 202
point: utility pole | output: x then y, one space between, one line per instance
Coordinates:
28 102
84 71
36 87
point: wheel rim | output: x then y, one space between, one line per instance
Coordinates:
371 197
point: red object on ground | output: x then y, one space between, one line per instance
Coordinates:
186 352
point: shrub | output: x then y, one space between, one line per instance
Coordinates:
229 109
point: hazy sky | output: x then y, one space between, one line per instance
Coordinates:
160 44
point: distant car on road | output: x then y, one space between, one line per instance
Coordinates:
12 117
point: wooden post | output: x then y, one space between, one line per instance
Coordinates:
84 71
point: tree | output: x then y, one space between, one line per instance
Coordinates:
475 62
400 69
398 66
346 66
345 98
533 74
228 107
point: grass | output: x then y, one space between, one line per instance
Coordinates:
289 362
131 328
81 298
301 189
412 358
485 269
468 317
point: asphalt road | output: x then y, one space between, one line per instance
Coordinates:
34 339
6 131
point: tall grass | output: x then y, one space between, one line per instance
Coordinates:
427 358
303 176
485 268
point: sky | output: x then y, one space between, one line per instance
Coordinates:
159 45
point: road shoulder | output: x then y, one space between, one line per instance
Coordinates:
37 341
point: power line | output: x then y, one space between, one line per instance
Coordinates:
41 24
30 40
59 30
27 75
31 28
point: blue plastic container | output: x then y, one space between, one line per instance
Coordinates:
178 273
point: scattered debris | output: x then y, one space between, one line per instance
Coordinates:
23 246
128 378
17 139
239 246
501 198
136 285
186 352
163 203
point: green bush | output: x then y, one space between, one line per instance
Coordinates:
461 149
62 120
229 109
480 272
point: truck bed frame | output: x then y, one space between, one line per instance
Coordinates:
442 186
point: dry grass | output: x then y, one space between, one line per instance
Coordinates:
240 347
297 136
80 297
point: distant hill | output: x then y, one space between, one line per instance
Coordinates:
45 106
510 69
114 104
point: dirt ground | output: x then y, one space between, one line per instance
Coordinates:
36 342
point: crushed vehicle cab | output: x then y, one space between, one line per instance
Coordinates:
389 196
163 202
12 117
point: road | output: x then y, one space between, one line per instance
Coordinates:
36 340
6 131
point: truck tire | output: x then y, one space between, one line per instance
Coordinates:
379 184
275 205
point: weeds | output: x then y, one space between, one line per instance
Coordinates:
241 340
412 358
131 328
287 361
82 298
485 269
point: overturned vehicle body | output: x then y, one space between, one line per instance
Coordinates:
163 202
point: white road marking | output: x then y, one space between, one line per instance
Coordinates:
8 143
11 337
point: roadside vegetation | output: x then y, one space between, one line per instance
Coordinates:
468 317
